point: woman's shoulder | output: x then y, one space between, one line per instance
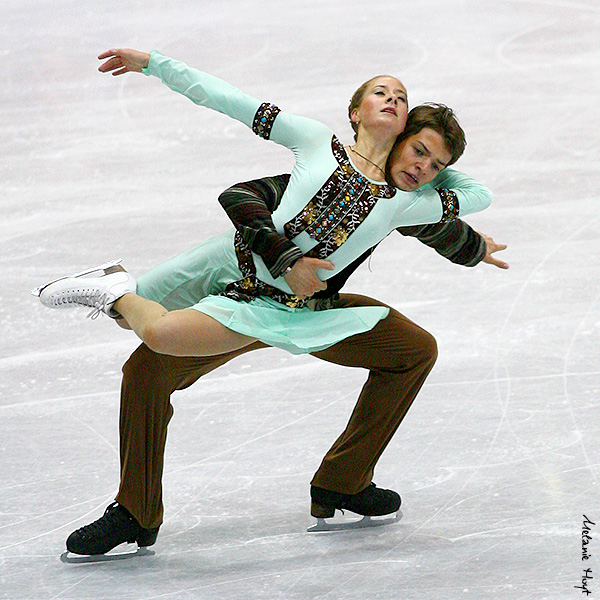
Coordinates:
296 131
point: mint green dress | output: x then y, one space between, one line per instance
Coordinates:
330 210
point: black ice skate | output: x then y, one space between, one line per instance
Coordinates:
371 502
117 526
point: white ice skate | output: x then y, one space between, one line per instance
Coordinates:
98 293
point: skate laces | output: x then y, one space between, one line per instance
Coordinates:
92 297
101 304
113 520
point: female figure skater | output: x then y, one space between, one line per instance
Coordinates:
336 205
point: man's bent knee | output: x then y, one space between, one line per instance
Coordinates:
429 347
422 352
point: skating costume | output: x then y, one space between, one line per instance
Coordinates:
250 205
329 211
398 354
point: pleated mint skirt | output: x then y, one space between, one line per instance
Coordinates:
194 278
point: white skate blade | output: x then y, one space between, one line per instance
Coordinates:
111 263
77 559
362 523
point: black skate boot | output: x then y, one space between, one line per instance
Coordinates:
371 502
115 527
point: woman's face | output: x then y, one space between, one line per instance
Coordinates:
384 105
418 159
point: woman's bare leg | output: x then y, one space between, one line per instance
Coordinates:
138 312
121 322
186 332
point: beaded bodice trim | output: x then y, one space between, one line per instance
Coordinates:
333 214
339 207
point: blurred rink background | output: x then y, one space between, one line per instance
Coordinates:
498 460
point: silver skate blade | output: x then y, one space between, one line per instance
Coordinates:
107 265
77 559
364 522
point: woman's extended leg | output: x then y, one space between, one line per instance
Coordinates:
185 332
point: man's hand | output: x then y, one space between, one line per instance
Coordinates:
303 279
123 60
492 247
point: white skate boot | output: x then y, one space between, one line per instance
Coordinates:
98 293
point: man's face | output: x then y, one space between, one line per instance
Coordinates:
418 159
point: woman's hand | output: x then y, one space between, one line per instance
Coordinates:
123 60
303 279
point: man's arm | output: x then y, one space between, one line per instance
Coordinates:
454 240
458 242
250 205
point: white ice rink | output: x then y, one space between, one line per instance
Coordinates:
499 458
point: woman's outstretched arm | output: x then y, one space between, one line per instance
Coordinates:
299 134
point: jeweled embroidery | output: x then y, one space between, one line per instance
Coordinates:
331 216
339 207
450 208
264 118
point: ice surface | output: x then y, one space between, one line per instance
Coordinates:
497 461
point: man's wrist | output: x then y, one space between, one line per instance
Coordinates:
289 268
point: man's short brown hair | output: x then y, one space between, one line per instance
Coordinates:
441 119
